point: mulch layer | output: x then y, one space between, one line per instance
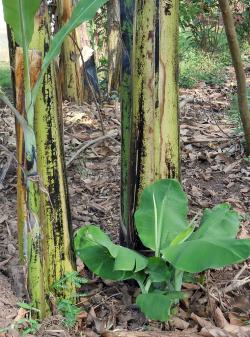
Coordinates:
215 170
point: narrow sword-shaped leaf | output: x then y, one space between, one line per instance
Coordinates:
183 236
15 17
83 11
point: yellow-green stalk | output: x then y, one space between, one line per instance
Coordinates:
21 186
29 231
54 213
152 134
71 77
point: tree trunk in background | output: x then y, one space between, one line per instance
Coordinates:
91 85
114 45
72 81
99 41
151 126
239 69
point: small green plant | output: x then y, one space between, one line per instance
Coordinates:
71 277
28 325
5 76
176 245
25 326
197 66
69 311
67 307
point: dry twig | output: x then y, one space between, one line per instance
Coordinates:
88 144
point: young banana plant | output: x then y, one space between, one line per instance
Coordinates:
175 247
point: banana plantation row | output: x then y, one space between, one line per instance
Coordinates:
145 69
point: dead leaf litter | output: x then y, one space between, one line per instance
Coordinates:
214 170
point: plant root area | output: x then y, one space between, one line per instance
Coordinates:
214 170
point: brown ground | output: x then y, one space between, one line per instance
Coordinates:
214 170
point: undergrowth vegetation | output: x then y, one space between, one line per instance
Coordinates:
5 76
197 65
176 247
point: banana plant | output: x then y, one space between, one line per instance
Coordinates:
176 246
20 15
149 102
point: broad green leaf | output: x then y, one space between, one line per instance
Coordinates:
218 223
140 277
127 259
100 262
97 257
95 235
83 11
157 306
195 256
105 258
19 14
162 214
158 270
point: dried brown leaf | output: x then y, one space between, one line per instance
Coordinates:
202 321
219 318
179 323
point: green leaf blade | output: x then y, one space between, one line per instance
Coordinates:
158 270
183 236
162 214
157 306
14 18
129 260
104 258
99 261
218 223
96 257
198 255
84 10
